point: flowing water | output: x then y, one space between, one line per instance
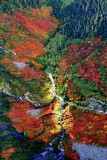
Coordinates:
85 152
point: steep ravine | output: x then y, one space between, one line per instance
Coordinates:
85 151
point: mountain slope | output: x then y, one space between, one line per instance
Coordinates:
85 18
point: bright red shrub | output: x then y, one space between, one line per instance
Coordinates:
23 121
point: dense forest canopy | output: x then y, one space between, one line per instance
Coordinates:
80 18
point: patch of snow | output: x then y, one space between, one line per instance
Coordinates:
60 99
31 101
34 112
20 64
90 152
6 51
53 90
97 106
14 53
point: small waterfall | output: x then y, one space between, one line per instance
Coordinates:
59 114
61 100
53 90
49 150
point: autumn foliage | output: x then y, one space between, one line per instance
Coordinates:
23 34
23 121
43 125
25 31
29 74
6 153
70 154
38 22
83 61
77 52
87 127
73 91
30 49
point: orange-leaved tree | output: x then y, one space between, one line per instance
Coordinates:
22 35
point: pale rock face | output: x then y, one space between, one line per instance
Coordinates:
97 106
20 65
90 152
53 89
34 112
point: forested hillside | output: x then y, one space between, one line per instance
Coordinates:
80 18
53 82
